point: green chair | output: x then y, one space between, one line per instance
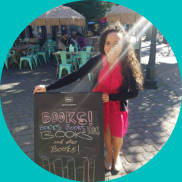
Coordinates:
71 50
64 64
42 53
89 49
51 47
73 57
76 46
34 54
50 50
51 42
83 58
29 59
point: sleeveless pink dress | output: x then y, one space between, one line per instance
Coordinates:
109 82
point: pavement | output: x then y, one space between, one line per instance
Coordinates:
152 115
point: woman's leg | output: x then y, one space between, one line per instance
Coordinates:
117 145
108 144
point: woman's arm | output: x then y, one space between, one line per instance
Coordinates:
75 75
126 93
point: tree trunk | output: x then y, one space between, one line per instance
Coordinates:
150 79
153 48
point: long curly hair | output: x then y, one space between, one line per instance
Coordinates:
128 58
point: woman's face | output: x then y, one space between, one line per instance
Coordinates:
113 46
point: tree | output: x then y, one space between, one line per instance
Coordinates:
91 9
150 80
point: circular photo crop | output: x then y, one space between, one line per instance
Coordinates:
91 91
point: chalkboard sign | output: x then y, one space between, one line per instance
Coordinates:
69 135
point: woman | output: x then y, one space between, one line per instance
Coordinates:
117 74
81 40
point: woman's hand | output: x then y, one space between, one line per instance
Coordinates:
39 89
105 97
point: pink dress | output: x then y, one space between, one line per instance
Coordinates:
109 82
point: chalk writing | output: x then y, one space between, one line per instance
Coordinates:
91 130
59 142
90 118
73 142
46 135
50 127
72 169
65 134
74 128
66 149
55 117
81 118
69 135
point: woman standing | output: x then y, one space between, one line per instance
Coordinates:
81 40
116 73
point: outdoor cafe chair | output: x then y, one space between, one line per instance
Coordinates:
50 50
64 64
51 42
42 53
50 46
88 48
72 56
70 48
83 60
33 50
29 58
34 54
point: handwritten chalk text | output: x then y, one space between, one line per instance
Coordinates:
46 135
91 130
50 127
81 118
66 149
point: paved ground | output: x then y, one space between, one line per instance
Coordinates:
153 114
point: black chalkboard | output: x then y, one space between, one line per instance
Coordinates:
69 139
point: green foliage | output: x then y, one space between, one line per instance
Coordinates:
91 9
